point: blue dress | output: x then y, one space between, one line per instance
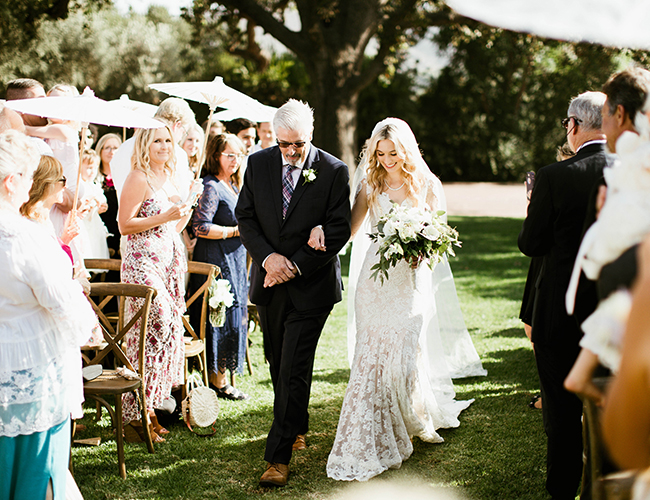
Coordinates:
226 345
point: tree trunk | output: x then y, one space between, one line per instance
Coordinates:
335 123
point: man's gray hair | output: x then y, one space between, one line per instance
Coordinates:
294 115
587 107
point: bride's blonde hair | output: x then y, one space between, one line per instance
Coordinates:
407 150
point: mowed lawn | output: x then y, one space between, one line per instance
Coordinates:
498 452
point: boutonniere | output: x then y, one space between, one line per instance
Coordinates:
309 175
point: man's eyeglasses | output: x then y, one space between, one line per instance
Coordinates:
567 121
232 156
286 145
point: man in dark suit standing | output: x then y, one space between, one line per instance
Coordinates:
288 190
553 230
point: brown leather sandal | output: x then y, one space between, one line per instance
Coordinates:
134 433
158 429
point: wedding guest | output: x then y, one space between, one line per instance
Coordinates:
266 136
10 120
151 216
608 241
106 147
218 242
192 143
95 233
63 137
626 417
47 189
293 286
245 130
216 127
564 152
552 231
43 316
28 88
179 117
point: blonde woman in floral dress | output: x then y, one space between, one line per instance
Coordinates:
151 216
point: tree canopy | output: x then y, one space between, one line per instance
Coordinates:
491 114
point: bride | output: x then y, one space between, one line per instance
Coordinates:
404 351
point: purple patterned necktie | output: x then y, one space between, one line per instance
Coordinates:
287 189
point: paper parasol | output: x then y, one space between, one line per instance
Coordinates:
214 94
620 23
143 108
84 108
259 113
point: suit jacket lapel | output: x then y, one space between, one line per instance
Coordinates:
275 173
301 185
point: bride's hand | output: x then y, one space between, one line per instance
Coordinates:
317 239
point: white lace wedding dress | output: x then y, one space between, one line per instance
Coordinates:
394 392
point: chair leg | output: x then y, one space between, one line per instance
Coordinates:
204 367
145 418
119 436
248 357
185 376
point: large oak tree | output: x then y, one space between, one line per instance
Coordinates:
332 43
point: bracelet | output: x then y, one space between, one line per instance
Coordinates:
225 233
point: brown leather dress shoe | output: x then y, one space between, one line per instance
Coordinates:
275 475
299 443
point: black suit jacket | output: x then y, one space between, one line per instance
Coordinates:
553 230
324 201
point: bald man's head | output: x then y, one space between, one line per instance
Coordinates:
10 120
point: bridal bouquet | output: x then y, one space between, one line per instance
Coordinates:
220 299
413 235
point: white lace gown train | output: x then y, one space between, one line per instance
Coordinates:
397 388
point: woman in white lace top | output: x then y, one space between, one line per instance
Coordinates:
43 315
404 355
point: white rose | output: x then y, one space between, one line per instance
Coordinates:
389 228
430 232
407 231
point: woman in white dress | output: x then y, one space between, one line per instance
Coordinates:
400 382
44 318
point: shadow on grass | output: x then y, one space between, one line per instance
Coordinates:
340 376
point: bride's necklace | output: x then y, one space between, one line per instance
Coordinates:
392 188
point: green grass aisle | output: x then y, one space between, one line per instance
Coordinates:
497 453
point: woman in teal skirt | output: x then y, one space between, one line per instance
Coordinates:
44 318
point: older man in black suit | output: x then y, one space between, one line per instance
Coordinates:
288 190
552 230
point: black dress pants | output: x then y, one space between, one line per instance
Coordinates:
562 411
290 340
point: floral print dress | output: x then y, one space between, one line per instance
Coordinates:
155 257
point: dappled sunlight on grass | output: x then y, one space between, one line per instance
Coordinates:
496 453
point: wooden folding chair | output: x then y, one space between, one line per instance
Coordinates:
604 484
195 346
110 383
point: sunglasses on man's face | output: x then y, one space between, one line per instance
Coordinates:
567 121
286 145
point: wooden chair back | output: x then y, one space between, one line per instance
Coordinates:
210 271
114 335
108 264
109 382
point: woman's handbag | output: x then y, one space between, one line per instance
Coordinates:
201 407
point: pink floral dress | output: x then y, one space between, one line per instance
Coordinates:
155 257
